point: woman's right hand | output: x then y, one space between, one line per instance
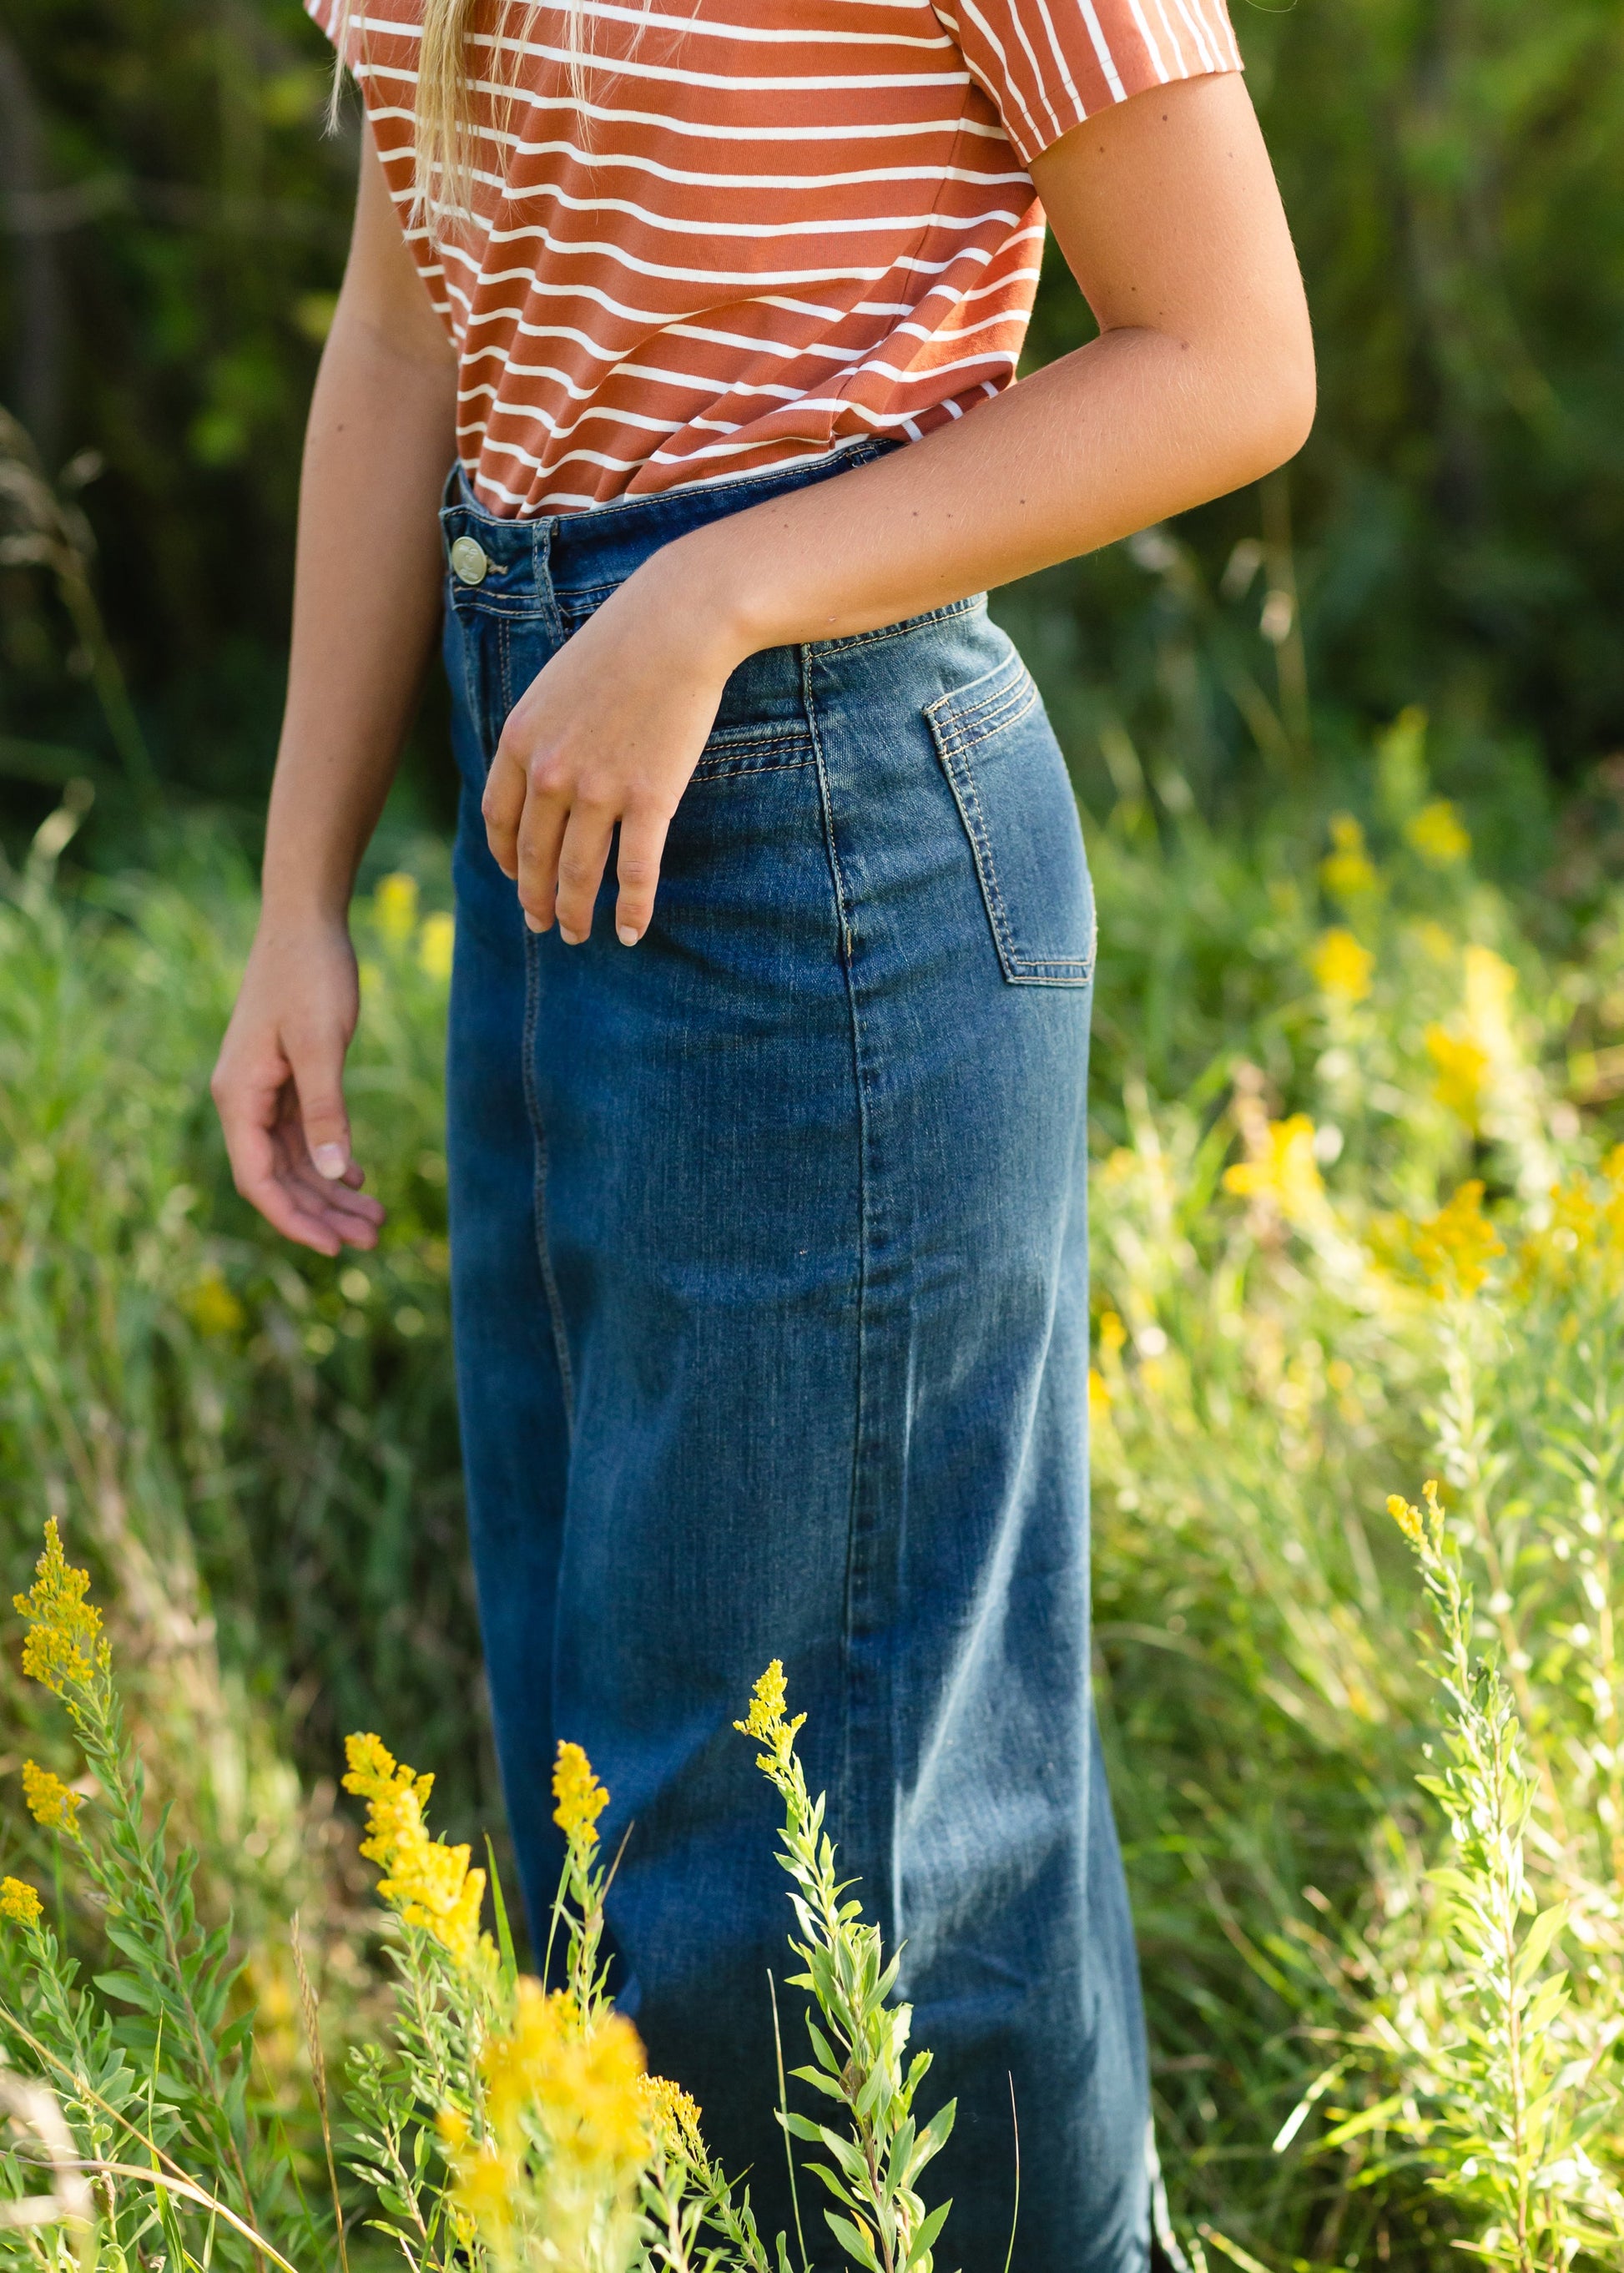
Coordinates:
279 1087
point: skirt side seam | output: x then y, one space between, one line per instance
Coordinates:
854 1518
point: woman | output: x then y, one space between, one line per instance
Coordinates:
774 943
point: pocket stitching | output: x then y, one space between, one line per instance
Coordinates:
1004 706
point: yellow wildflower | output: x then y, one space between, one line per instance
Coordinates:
61 1649
580 1798
1572 1234
1435 940
50 1802
394 908
213 1308
674 2118
582 2086
435 942
1491 983
1407 1518
1099 1398
1346 871
1416 1527
428 1884
1438 835
1462 1071
19 1902
765 1720
1456 1246
1114 1334
1341 966
1286 1175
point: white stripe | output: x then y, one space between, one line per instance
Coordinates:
1062 64
696 130
1209 59
859 225
595 249
745 33
1151 49
1102 51
735 82
996 45
593 159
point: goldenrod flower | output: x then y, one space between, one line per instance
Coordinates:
674 2117
1456 1246
766 1720
435 943
1437 834
428 1884
1408 1518
580 1798
1346 871
1341 966
1415 1526
61 1649
50 1802
213 1308
581 2088
1462 1071
19 1902
1287 1175
394 908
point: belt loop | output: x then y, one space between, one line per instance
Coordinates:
541 567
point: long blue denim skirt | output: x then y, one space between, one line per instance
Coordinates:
769 1261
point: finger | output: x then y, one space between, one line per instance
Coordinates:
250 1107
343 1209
318 1064
541 836
581 860
642 842
502 806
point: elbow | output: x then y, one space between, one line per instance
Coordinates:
1281 397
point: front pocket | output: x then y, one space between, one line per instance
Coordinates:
1010 784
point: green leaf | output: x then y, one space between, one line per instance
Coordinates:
1538 1940
846 2234
128 1990
924 2240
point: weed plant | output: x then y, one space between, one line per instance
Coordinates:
497 2123
1358 1221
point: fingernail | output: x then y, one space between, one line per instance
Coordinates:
571 938
626 936
331 1161
532 923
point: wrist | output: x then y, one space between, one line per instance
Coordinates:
301 910
699 581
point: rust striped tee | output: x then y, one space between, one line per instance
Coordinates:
771 225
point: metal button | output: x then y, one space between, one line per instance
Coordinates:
469 564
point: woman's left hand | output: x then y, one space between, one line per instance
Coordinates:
608 734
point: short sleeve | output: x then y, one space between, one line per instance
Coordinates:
1048 64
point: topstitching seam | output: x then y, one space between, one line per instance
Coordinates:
859 1418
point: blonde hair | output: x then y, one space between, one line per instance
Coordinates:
442 109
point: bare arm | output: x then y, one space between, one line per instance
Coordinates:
1202 379
366 607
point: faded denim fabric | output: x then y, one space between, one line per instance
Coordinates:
770 1275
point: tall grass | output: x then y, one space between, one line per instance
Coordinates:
1357 1224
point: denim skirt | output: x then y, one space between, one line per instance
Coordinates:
769 1261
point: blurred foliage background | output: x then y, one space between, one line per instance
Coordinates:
174 225
256 1448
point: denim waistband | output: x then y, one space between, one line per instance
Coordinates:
574 554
